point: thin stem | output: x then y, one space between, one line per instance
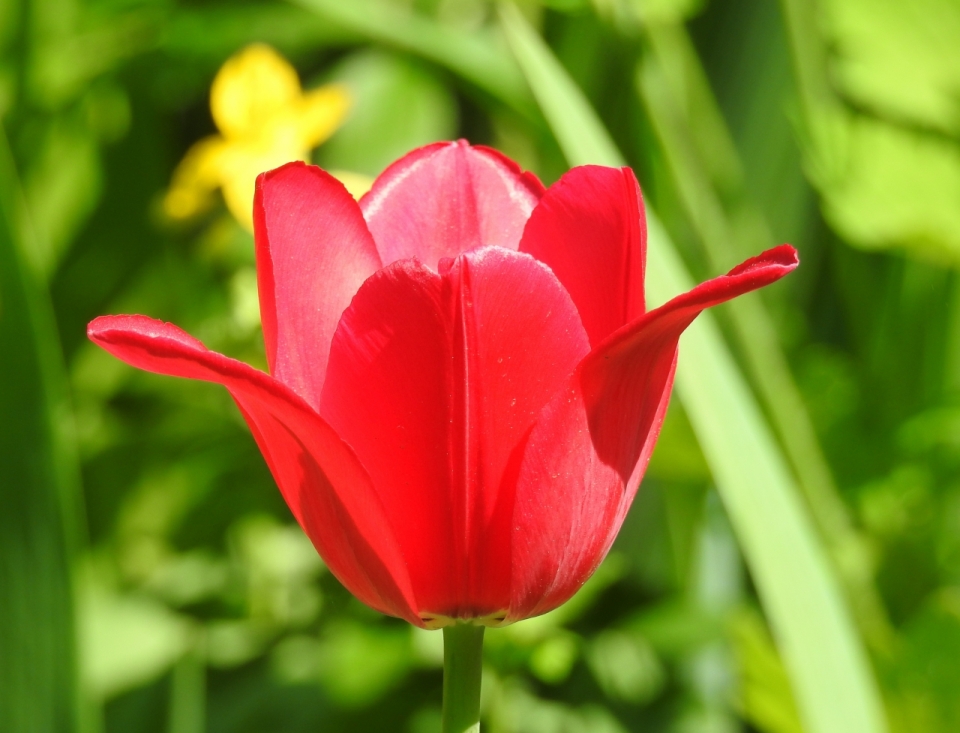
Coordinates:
462 673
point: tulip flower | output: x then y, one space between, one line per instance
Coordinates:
465 384
264 119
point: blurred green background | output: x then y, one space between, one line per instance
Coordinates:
151 578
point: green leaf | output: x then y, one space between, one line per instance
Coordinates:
885 186
892 180
38 514
576 126
475 55
828 668
126 640
764 696
61 187
900 59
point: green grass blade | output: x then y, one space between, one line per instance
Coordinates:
581 135
823 653
38 514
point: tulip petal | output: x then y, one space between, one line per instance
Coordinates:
590 446
321 480
590 229
433 380
448 198
313 252
521 336
387 394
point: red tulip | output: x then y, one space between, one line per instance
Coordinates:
465 387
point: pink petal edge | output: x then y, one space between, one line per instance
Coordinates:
447 198
313 252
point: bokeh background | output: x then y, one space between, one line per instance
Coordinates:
151 578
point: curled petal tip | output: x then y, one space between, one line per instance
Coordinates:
784 257
106 330
96 326
101 328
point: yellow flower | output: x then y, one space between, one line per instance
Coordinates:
265 120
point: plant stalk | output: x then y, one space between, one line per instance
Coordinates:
462 675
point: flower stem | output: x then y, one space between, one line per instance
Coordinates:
462 673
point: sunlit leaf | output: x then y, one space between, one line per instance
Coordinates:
764 695
127 640
899 59
885 186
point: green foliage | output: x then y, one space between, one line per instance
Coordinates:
888 165
199 606
900 60
824 656
38 507
375 136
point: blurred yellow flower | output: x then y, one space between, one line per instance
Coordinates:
265 120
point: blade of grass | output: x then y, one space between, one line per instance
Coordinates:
824 656
39 515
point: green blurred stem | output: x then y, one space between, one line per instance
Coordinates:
462 675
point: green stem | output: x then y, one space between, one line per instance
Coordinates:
462 673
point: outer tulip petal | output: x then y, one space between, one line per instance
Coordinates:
321 480
448 198
590 446
433 380
313 252
590 229
387 393
521 337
